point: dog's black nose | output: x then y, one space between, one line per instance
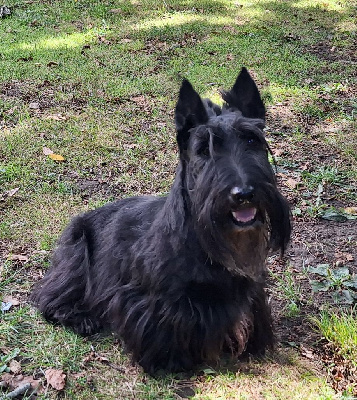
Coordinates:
239 195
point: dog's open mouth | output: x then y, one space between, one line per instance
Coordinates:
245 216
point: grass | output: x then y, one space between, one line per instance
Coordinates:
340 329
96 82
285 377
329 175
289 291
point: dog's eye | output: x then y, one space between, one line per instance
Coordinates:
204 150
251 139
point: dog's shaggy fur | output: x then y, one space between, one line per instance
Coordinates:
181 278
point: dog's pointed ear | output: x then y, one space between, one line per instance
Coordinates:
245 96
190 112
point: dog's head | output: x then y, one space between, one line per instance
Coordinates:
229 183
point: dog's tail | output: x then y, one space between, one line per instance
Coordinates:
59 296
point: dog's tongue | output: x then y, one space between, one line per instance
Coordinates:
245 215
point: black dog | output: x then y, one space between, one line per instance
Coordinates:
181 278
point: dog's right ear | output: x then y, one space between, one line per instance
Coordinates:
245 96
190 112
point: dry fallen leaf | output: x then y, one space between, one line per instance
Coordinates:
12 300
19 380
47 151
52 64
56 117
78 375
93 356
305 352
56 378
292 183
278 152
25 59
15 367
8 193
56 157
18 257
34 106
11 192
351 210
84 48
102 39
342 257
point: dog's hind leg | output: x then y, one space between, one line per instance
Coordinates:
60 294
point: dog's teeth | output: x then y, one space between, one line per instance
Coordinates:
245 215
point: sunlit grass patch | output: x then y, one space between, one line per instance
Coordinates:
340 329
276 379
332 5
59 41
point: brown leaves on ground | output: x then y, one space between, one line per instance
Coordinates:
291 183
351 210
56 378
18 257
342 373
14 301
56 117
55 157
94 356
142 102
52 64
15 366
25 59
12 382
8 193
34 105
47 151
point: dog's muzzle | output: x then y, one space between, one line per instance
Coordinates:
244 212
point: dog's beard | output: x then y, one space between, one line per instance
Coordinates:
229 242
240 239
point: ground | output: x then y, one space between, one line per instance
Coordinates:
96 83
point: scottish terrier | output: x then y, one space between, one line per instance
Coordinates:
181 278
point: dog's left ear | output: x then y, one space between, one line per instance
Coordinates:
245 96
190 112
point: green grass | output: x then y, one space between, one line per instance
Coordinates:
289 290
104 78
324 175
340 329
283 378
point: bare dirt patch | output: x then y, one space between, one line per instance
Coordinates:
36 98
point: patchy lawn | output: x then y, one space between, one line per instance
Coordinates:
96 83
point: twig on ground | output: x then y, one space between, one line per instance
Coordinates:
20 390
